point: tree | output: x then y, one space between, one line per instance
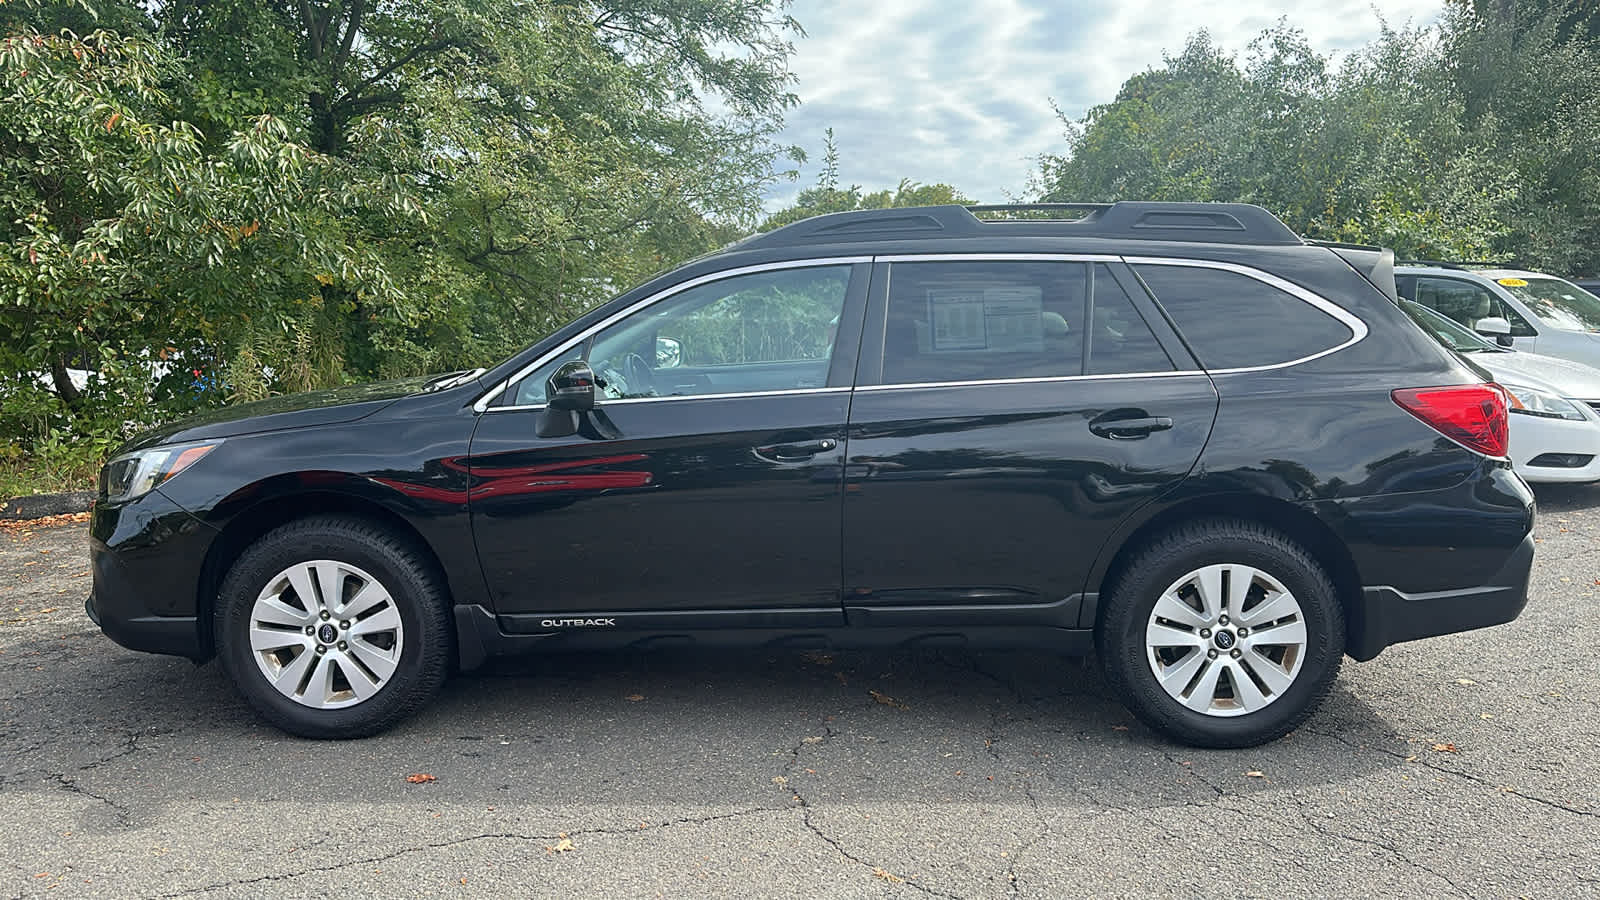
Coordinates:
125 228
1377 149
315 191
828 197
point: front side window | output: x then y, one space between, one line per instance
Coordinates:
1233 321
765 331
1467 303
1447 331
1558 303
530 391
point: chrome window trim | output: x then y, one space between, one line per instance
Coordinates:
482 404
671 397
1042 379
997 257
1358 328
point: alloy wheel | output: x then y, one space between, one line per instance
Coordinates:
1226 640
326 634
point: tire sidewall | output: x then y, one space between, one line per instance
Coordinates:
412 598
1123 642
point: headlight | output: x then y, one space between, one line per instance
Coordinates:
132 475
1534 402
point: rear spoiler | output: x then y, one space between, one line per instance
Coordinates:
1375 264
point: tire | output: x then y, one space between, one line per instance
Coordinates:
347 676
1240 688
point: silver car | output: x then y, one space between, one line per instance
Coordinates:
1526 310
1555 403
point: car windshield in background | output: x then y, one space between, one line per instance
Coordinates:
1559 304
1449 332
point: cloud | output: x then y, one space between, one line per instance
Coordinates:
959 91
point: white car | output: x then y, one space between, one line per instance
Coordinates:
1555 426
1530 311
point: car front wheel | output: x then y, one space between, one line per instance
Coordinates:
333 628
1222 633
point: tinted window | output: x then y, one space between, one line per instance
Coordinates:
1234 321
1119 340
1466 302
530 390
976 321
765 331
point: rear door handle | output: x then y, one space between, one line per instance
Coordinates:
796 452
1129 429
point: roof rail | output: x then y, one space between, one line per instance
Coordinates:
1220 223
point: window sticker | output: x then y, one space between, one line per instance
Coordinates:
957 317
1002 320
1512 282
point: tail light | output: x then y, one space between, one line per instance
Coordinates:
1472 415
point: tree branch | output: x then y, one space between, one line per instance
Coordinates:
357 9
392 67
311 29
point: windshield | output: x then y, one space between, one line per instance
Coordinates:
1557 303
1449 332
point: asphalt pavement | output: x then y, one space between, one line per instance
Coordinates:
1459 766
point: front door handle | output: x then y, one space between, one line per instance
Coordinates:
1129 429
796 452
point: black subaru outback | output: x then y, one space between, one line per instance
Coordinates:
1175 434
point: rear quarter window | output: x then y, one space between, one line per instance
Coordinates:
1233 321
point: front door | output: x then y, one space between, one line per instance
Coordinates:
705 487
1010 414
1468 303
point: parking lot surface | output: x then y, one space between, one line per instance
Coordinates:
1459 766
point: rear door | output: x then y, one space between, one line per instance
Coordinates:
1009 412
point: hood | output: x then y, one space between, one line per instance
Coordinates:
1563 376
326 407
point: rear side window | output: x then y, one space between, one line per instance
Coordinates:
1119 340
1233 321
997 320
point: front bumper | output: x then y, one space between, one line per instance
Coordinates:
147 557
1535 436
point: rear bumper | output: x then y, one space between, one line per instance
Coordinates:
1437 562
1391 616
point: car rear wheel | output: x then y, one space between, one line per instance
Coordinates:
333 628
1222 633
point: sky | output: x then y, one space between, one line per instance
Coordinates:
959 91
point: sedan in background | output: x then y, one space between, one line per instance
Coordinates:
1514 308
1555 403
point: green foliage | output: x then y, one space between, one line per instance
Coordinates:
1468 139
786 317
287 195
828 197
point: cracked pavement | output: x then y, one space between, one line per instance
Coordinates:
1458 766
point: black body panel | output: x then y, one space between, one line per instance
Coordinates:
694 494
1001 493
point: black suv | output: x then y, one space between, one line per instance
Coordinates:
1176 434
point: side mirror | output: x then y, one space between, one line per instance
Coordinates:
571 388
669 353
1497 328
